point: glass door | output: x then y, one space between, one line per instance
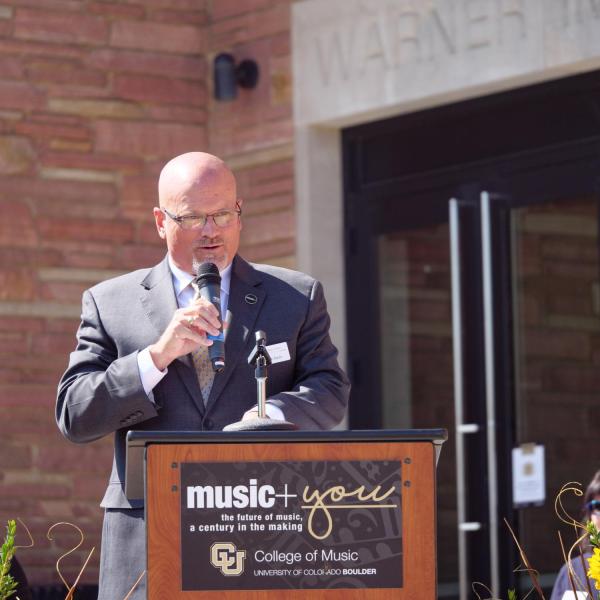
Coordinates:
538 287
483 318
556 306
481 315
402 354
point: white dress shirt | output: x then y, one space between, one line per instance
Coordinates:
184 292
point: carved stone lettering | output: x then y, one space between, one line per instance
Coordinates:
513 23
364 57
410 33
408 46
375 51
334 55
478 18
441 26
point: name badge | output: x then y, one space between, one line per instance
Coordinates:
279 352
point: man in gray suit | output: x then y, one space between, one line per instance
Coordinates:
137 365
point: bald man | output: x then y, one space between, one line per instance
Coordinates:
134 367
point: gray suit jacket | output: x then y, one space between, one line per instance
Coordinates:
101 391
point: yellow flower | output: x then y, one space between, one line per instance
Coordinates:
594 570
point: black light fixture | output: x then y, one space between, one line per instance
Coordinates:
228 75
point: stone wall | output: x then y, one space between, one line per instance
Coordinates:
94 97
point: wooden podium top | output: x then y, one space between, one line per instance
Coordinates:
137 441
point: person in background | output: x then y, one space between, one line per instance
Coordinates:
562 587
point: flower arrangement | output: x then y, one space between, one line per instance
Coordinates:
7 583
588 537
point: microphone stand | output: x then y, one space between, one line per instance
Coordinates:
259 358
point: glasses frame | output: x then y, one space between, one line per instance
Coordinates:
180 220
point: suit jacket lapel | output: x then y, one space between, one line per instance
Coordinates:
244 289
158 299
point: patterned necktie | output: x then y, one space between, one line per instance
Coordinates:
204 371
202 364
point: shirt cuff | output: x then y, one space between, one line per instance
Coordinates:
149 374
274 412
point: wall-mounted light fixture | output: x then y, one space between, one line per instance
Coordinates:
228 75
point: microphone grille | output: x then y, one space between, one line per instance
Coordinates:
205 268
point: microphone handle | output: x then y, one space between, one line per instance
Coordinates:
216 351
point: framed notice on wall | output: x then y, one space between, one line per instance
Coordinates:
336 516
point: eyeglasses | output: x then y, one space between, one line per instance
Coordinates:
221 219
593 506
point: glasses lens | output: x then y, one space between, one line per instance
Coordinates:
223 219
192 221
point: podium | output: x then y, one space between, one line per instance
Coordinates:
253 515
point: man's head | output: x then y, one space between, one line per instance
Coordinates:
191 185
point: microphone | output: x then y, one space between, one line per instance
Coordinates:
208 286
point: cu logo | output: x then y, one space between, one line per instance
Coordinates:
226 557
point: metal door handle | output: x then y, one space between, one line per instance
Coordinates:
461 428
467 428
490 388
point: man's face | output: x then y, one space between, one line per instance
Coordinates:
204 244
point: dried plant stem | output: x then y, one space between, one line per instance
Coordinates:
71 590
584 569
474 586
530 570
49 536
570 571
135 585
565 517
531 590
527 594
31 542
570 554
560 510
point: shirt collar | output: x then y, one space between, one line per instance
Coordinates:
181 279
226 278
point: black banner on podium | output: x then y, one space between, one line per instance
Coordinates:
291 525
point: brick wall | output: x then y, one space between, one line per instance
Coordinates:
94 97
